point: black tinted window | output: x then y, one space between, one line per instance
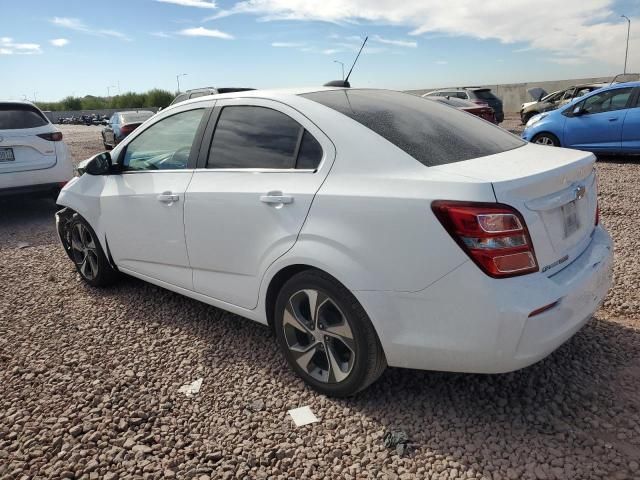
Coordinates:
432 133
254 137
484 95
310 152
13 116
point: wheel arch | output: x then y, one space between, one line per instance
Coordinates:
547 132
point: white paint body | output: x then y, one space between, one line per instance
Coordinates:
365 218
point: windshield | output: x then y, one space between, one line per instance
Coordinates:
135 117
432 133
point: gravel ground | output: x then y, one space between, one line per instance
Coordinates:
89 381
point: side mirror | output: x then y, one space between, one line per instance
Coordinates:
578 110
99 165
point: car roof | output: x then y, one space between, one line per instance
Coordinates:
277 93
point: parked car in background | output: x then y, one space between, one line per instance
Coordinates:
476 95
479 256
201 92
554 100
33 157
483 111
604 121
122 124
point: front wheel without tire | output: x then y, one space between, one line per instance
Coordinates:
548 139
326 336
85 251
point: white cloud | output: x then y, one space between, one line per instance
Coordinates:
160 34
192 3
9 47
396 43
587 29
205 32
441 62
331 51
288 45
59 42
79 26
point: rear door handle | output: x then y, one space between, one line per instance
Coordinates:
276 198
168 198
613 119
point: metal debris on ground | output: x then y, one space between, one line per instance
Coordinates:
398 440
302 416
22 245
191 389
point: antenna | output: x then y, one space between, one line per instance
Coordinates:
345 83
354 62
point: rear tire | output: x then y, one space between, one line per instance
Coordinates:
326 336
546 138
82 245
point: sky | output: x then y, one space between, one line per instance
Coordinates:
53 48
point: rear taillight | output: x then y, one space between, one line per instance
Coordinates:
494 236
51 137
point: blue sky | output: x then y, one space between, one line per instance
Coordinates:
55 48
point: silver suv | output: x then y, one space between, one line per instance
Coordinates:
473 94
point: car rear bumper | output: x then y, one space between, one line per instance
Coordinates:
469 322
39 189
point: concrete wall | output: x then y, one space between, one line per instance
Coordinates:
513 95
54 116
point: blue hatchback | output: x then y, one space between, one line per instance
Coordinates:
606 120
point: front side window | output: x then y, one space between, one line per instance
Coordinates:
432 133
607 101
259 137
165 145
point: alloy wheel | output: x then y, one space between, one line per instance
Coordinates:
544 140
83 250
319 336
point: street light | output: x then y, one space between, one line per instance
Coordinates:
626 53
109 90
178 79
342 65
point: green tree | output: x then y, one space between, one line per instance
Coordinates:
71 103
158 98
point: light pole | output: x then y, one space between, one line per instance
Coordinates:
35 97
342 65
178 79
626 53
109 90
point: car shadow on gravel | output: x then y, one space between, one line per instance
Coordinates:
27 219
582 396
619 158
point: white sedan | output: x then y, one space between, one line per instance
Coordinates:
366 227
33 157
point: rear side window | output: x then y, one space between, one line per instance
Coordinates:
259 137
432 133
15 116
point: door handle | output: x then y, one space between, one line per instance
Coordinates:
613 119
168 198
276 198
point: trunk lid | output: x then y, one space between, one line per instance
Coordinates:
554 189
30 152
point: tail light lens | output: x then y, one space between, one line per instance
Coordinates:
494 236
127 129
51 137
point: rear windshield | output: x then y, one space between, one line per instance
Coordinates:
456 102
484 94
432 133
135 117
14 116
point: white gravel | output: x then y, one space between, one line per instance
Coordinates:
89 382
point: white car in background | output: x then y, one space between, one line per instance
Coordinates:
366 227
33 157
